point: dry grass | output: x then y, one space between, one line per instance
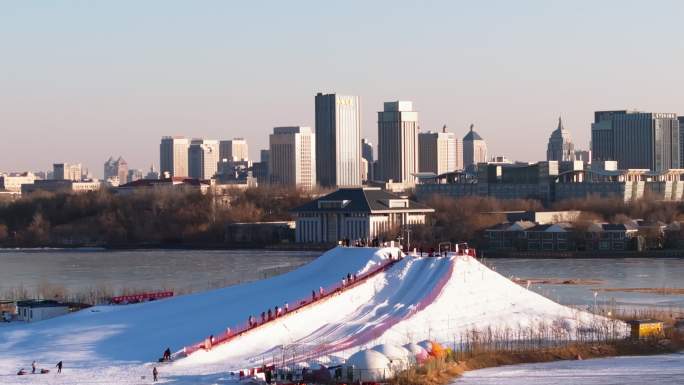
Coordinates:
443 371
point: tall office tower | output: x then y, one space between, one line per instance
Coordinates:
367 155
116 168
583 155
338 140
459 154
66 171
134 174
173 156
263 156
474 149
235 150
397 142
292 157
203 157
642 140
152 173
560 145
681 141
437 151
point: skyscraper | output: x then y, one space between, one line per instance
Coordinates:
639 140
474 149
681 141
292 157
437 151
116 168
338 140
560 145
235 150
397 142
367 155
203 157
67 171
173 156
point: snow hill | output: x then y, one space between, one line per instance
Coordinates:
415 299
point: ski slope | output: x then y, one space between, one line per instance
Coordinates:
414 299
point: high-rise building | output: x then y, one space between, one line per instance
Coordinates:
560 145
437 151
292 157
397 143
173 156
583 155
116 168
474 149
66 171
152 173
133 175
636 140
338 140
681 141
234 150
263 156
367 155
459 154
203 157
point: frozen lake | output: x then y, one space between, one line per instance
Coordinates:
180 270
198 270
613 273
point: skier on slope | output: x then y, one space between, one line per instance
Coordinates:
33 367
155 374
59 367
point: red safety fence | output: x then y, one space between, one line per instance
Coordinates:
327 292
141 297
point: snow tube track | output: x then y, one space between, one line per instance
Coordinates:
409 287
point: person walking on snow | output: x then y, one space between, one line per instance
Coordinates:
155 373
59 367
287 307
33 367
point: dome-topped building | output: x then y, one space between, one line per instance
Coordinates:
474 149
560 146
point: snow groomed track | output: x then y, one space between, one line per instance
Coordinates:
412 300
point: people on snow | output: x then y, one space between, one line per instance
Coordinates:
155 374
59 367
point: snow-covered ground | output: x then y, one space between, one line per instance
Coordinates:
415 299
662 370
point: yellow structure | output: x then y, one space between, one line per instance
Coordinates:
646 328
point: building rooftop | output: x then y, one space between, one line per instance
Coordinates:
362 200
472 135
35 303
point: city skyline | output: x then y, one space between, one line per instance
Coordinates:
108 89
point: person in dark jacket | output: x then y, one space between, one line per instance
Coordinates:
59 367
155 374
167 354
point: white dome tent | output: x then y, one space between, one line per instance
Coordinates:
369 365
399 357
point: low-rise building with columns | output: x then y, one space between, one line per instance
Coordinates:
356 214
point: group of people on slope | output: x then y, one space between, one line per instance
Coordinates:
268 315
35 370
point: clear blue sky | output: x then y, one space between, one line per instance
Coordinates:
83 80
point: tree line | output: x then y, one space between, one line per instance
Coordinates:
155 216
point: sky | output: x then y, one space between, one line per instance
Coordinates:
84 80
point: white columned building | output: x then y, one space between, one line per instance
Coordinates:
356 214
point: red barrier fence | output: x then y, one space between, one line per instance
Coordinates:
141 297
329 291
231 333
